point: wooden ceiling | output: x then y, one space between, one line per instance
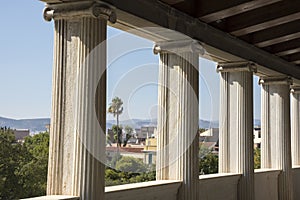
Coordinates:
272 25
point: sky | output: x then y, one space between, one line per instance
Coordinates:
26 53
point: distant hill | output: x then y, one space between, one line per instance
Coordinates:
136 123
208 124
38 125
34 125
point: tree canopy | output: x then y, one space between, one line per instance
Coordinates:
23 167
116 108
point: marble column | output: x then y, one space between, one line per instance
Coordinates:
236 124
178 141
295 125
77 133
276 131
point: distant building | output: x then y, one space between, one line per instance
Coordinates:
47 126
150 151
132 140
20 134
257 137
210 139
135 151
210 135
145 132
150 144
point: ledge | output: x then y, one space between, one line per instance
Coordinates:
54 197
147 190
219 175
140 185
276 171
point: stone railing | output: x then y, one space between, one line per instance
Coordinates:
147 191
266 184
296 181
211 187
54 197
219 186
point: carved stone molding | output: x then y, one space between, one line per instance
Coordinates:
84 9
295 89
182 46
237 67
276 81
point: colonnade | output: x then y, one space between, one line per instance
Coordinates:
79 111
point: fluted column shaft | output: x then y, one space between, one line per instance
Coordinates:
178 141
276 131
77 133
236 124
295 125
265 132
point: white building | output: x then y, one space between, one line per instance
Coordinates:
257 137
210 135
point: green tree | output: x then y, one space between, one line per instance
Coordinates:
136 171
10 154
116 109
23 167
33 171
208 162
128 133
201 130
257 158
117 130
130 164
203 151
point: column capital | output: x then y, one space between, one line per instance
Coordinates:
237 67
276 81
80 9
295 89
181 46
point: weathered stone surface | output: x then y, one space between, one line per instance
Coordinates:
77 133
236 124
178 142
276 132
295 125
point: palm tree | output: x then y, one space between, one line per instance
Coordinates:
116 108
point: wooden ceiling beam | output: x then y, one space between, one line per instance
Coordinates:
293 57
186 6
205 7
283 47
172 2
264 15
278 40
268 24
225 11
274 35
287 52
145 13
